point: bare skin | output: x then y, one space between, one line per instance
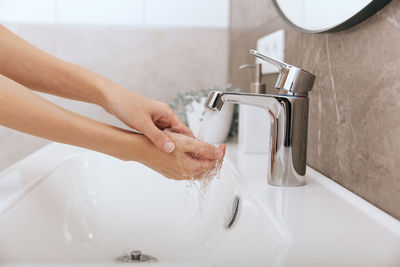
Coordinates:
187 159
23 66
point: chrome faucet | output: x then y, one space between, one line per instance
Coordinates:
288 113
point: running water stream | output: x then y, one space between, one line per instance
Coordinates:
202 185
208 119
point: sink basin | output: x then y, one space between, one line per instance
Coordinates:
68 206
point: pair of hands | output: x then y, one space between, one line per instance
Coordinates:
174 155
177 154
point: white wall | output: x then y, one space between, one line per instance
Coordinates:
138 13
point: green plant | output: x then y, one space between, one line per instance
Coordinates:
182 102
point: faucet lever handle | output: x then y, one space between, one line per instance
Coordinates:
279 64
292 80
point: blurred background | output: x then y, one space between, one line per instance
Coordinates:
154 47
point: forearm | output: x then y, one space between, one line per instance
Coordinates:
23 110
42 72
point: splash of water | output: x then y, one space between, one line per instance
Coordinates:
209 117
198 188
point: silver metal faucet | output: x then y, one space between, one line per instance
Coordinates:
288 113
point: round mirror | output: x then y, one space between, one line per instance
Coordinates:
314 16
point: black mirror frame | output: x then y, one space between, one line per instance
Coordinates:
363 14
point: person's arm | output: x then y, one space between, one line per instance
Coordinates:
25 111
39 71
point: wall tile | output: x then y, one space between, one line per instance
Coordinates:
187 13
27 11
150 13
100 12
354 127
249 14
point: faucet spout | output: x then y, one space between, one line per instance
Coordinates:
216 99
288 116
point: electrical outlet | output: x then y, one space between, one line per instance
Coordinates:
272 45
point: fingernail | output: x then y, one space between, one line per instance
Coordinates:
169 147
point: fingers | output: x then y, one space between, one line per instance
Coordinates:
159 138
197 168
178 128
205 167
222 148
183 129
204 150
176 124
192 167
196 148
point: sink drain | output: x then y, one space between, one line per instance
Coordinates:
231 213
136 256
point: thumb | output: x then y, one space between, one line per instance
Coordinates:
222 148
159 138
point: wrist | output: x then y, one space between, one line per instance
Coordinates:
111 95
122 144
107 92
136 147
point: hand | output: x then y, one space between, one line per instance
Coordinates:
191 159
147 116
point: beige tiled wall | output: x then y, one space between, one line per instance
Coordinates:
354 128
154 62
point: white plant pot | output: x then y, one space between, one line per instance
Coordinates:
218 127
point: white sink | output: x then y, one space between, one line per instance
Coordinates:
65 206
